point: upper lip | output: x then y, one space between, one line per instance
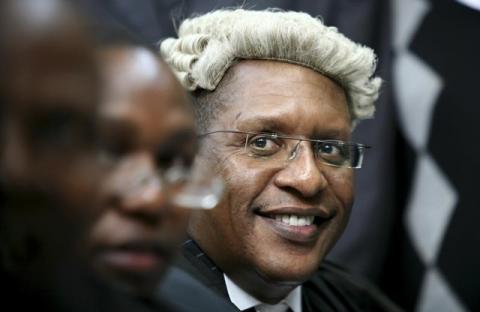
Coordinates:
315 211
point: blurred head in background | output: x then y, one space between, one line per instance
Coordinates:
49 168
148 134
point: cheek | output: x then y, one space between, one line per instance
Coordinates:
243 183
245 187
341 182
176 220
80 186
101 230
70 182
342 189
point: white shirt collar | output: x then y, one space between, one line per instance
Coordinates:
243 300
474 4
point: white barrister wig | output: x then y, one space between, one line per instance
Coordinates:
208 45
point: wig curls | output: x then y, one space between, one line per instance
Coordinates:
208 45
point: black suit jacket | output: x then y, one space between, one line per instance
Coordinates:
188 294
330 289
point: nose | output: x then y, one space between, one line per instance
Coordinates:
137 188
302 173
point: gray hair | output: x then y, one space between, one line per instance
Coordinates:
208 45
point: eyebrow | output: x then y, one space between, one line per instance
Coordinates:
261 123
269 124
175 142
179 136
46 108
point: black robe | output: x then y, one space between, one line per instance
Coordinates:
330 289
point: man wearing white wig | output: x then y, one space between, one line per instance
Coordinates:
277 95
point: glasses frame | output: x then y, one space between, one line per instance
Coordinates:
360 146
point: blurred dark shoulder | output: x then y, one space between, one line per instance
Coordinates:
71 288
181 289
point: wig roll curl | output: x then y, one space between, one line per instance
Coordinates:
208 45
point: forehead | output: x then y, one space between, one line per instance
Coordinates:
51 72
141 91
129 68
285 97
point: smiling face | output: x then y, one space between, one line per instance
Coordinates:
252 234
146 128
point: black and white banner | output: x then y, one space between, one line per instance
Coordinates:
436 85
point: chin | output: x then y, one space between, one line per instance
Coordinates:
144 288
288 271
135 284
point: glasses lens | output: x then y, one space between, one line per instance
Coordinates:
272 149
339 154
263 145
202 191
333 153
357 156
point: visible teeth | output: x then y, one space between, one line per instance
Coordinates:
295 220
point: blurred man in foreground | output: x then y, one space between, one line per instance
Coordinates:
49 157
53 165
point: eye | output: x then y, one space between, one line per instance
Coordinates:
264 145
180 147
62 130
173 165
260 143
328 148
335 153
115 140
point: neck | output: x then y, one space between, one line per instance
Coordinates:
245 276
261 287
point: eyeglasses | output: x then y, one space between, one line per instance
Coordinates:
194 188
275 149
185 186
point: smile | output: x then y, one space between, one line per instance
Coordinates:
295 220
299 228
